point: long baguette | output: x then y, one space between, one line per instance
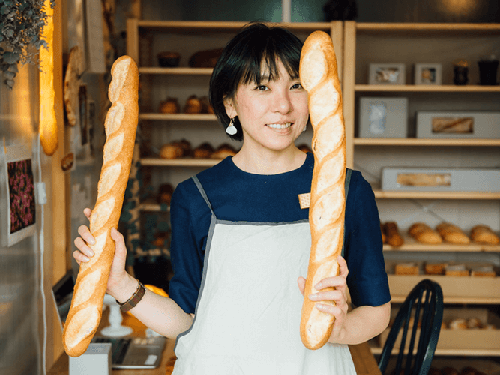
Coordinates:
318 74
121 124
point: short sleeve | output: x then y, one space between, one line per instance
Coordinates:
186 257
367 279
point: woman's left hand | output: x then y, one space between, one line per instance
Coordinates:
338 296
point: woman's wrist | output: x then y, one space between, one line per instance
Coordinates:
125 289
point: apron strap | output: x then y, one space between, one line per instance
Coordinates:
202 192
348 174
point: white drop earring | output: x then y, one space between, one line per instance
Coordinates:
231 129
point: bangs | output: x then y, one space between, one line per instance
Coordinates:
263 64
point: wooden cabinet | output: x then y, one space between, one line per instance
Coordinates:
429 43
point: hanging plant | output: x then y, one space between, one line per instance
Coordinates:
21 23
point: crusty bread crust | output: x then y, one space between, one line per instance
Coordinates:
121 124
318 74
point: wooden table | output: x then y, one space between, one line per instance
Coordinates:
361 354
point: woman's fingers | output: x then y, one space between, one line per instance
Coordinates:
302 283
87 212
85 233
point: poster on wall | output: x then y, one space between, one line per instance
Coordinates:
17 194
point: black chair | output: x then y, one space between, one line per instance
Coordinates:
424 306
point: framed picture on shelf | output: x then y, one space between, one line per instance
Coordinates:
387 74
457 124
383 117
428 74
17 195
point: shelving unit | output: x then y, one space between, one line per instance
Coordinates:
356 46
428 43
147 38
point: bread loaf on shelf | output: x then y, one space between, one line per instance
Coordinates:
393 237
121 123
484 234
318 74
452 234
425 234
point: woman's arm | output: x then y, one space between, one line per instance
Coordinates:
362 324
159 313
353 327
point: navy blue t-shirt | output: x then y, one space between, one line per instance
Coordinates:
236 195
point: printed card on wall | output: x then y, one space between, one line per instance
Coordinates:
17 195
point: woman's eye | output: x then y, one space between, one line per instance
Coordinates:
261 88
297 86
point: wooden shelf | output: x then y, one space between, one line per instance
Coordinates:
428 29
456 300
225 26
180 71
177 117
156 162
427 142
152 207
451 352
456 289
410 244
426 88
435 195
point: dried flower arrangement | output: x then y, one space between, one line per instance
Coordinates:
21 23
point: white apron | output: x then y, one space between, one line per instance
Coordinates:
247 319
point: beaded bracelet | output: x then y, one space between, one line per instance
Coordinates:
134 300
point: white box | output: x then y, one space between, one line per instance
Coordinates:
383 117
458 124
432 179
96 361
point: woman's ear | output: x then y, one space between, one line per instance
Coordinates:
230 107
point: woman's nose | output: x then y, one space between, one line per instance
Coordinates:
282 103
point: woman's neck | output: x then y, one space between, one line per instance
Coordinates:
267 161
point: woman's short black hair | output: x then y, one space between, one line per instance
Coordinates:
242 61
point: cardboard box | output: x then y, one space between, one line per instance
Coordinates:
96 361
445 179
458 124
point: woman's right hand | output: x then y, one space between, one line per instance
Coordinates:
118 274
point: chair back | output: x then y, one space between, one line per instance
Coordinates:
419 318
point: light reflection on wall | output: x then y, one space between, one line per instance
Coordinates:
459 7
48 123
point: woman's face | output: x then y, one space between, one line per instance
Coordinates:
273 113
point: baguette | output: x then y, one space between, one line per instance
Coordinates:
318 74
121 124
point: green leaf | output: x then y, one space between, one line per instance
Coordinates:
9 75
10 57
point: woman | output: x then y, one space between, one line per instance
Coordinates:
240 241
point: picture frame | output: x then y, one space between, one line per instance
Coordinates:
17 194
458 124
387 74
381 117
428 74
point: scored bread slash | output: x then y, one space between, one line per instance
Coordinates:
121 125
318 75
